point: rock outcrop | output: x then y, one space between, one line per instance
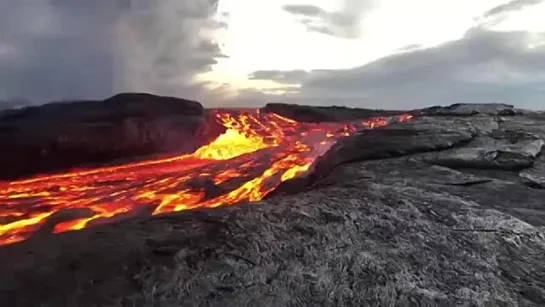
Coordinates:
391 221
64 135
501 149
303 113
468 109
324 114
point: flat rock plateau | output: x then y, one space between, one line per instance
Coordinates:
447 209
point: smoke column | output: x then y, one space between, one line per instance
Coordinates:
161 45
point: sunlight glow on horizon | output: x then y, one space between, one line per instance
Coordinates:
261 36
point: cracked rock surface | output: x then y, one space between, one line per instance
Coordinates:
500 149
444 210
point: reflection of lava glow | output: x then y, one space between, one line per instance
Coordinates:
250 159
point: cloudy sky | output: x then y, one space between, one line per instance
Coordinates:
367 53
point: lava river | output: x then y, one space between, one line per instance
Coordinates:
251 158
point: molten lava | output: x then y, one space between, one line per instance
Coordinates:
249 160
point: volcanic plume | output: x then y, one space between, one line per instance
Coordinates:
256 153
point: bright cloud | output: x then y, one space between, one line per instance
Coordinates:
277 35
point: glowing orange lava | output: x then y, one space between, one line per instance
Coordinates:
256 153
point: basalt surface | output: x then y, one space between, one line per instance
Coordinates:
66 135
302 113
445 210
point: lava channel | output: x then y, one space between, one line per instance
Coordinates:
250 159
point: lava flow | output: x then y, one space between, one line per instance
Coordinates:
251 158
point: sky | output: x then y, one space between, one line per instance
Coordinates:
392 54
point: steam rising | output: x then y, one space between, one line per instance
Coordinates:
162 44
82 49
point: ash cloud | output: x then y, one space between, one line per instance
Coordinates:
56 50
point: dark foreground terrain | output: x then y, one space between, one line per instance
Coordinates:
444 210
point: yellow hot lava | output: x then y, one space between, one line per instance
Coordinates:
255 154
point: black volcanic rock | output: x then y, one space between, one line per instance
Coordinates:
425 134
138 103
382 225
468 109
116 107
304 113
315 114
501 149
64 135
535 176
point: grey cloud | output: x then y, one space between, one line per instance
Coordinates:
163 45
14 103
314 18
287 77
55 49
482 67
409 47
513 5
314 25
321 29
305 9
343 23
209 47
